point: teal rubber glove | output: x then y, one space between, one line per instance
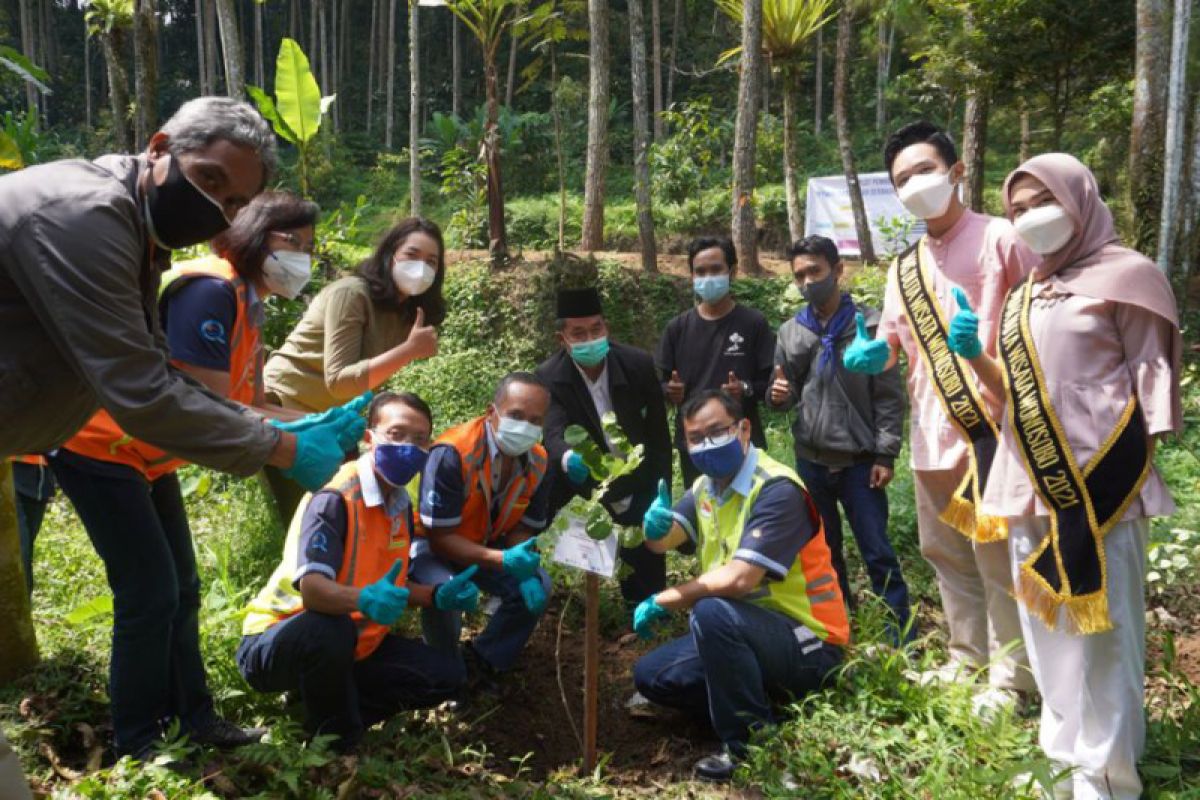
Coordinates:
647 615
577 471
319 453
336 414
658 518
458 593
963 337
865 354
383 601
533 594
523 560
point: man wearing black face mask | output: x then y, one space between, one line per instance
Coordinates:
82 246
847 426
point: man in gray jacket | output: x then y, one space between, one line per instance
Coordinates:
82 246
847 427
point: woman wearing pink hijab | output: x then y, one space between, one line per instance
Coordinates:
1089 352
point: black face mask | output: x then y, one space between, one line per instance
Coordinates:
178 213
818 293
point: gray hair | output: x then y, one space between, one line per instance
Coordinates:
200 122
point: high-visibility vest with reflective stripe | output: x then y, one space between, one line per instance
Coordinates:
33 461
478 523
102 438
810 593
374 542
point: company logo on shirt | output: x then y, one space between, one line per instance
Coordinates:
433 498
706 507
735 344
213 331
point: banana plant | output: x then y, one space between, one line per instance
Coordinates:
18 138
298 107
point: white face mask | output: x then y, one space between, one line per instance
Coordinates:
285 272
413 277
927 196
1046 229
515 437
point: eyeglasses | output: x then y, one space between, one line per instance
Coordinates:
294 241
398 436
713 436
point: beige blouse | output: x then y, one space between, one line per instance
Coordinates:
324 361
1095 354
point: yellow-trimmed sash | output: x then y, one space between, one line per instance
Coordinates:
955 387
1068 568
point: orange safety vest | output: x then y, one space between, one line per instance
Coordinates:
33 461
478 524
102 438
374 542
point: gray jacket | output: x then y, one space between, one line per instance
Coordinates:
843 417
79 323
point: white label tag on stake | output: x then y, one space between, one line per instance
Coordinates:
576 549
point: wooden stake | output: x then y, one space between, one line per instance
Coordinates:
591 671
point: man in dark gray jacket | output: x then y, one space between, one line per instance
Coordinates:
847 427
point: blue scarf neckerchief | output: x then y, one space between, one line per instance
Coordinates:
839 323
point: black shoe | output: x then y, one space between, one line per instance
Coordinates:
482 677
717 768
223 733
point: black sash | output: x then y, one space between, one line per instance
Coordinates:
1068 568
955 387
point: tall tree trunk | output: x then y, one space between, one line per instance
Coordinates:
87 76
819 84
745 234
641 136
1169 254
390 69
29 50
765 83
118 89
260 72
231 48
414 107
882 62
145 76
597 139
556 112
344 72
975 145
212 53
18 641
791 181
320 9
656 59
676 24
1191 235
371 64
497 233
841 77
1026 147
314 35
296 24
455 67
201 55
1149 124
512 68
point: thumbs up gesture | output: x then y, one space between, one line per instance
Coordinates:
781 388
383 601
963 337
674 390
458 593
732 386
658 519
422 341
866 355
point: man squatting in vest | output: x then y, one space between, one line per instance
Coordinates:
768 619
483 500
319 628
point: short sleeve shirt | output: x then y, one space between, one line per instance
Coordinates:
198 320
443 495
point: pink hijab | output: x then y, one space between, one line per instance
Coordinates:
1094 263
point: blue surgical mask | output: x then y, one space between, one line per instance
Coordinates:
515 437
720 458
589 354
399 463
711 288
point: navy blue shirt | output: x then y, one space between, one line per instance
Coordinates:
198 319
443 495
323 535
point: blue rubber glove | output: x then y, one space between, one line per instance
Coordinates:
336 414
533 594
319 453
658 518
865 354
458 593
648 614
963 337
577 471
383 601
523 560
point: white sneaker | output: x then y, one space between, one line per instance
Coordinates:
993 701
950 672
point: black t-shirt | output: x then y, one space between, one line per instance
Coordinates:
706 351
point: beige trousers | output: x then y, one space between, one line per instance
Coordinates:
975 583
12 780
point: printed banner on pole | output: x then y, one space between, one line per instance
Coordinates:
828 213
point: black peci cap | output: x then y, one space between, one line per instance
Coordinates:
574 303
